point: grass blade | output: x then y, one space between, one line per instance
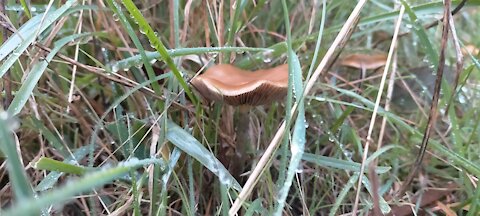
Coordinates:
45 163
19 42
192 147
35 73
86 183
158 45
21 185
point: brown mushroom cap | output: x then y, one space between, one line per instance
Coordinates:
235 86
364 61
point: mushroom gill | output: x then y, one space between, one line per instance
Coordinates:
235 86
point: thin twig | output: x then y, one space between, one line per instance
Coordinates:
377 105
433 108
459 62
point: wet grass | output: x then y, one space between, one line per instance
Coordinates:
100 116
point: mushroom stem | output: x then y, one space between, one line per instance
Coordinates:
243 141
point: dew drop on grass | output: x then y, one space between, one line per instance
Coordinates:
115 17
267 56
114 68
330 138
348 153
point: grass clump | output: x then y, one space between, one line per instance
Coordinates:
98 115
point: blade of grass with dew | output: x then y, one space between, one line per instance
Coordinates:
458 159
16 172
420 10
384 207
419 30
282 170
187 143
137 59
461 161
225 203
86 183
191 187
49 164
475 203
156 43
330 162
51 179
235 23
174 156
135 193
129 29
36 73
343 193
26 9
297 144
381 151
20 41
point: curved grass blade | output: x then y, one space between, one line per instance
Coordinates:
146 29
32 205
20 184
51 179
297 144
187 143
128 27
324 161
422 36
137 59
35 73
19 41
45 163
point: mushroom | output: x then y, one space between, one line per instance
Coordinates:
237 87
364 62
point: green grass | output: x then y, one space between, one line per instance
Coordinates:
137 139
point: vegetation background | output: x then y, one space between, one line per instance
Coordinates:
100 118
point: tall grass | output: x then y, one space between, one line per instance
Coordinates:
136 139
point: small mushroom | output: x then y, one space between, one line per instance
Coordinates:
363 61
235 86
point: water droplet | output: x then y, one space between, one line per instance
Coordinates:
115 17
348 153
330 138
